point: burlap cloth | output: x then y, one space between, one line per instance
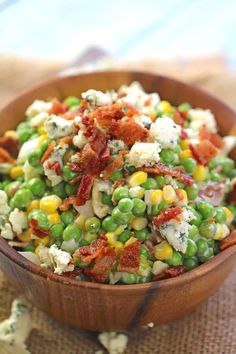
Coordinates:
211 328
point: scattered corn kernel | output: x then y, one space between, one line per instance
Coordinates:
41 140
119 230
25 236
42 241
157 196
33 205
137 178
169 194
130 241
185 144
16 172
118 246
54 218
10 133
222 231
182 196
163 251
80 221
229 215
185 153
165 106
200 173
139 222
50 203
111 238
42 130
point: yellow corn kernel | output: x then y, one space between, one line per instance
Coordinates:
182 196
42 241
139 222
157 196
80 221
163 251
10 133
185 153
41 140
200 173
42 130
16 172
118 246
136 192
137 178
229 215
54 218
185 144
25 236
111 238
169 194
50 203
119 230
33 205
221 231
130 241
165 106
151 112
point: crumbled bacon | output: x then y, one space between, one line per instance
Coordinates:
204 151
87 120
161 169
113 166
165 216
48 152
67 202
75 180
5 156
73 273
92 251
89 160
183 134
37 230
130 258
10 144
178 119
58 107
128 131
67 139
96 138
232 195
170 272
214 138
106 154
75 167
228 241
56 167
102 266
83 193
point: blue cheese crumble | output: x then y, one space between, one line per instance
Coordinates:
165 132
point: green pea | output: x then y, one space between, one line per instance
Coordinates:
220 216
29 248
189 164
163 205
56 230
191 249
71 232
108 224
119 217
175 260
124 236
59 190
193 233
58 241
192 192
160 181
206 210
207 255
41 217
216 248
190 263
44 146
184 107
215 162
72 101
202 246
34 158
70 189
207 229
68 174
92 225
115 176
22 198
142 234
215 177
128 278
155 210
168 156
120 192
5 184
125 205
37 186
11 188
144 279
227 165
139 207
107 199
150 183
67 217
130 169
197 217
82 243
24 133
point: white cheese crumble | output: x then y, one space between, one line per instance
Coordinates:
5 228
55 259
57 155
18 219
26 149
115 343
116 145
159 267
70 246
96 98
57 127
202 116
143 120
100 186
15 330
39 119
229 144
143 154
38 106
85 209
80 140
165 132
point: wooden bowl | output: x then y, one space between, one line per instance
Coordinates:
115 307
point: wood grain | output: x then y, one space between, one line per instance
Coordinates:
115 307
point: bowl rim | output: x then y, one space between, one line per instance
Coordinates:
37 270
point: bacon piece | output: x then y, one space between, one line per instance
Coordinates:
67 202
58 107
213 193
89 160
170 272
37 230
83 193
73 273
75 167
178 119
232 195
228 241
183 134
204 151
214 138
128 131
87 120
105 156
67 139
113 166
10 144
161 169
92 251
165 216
102 266
96 138
130 258
75 180
5 156
56 167
48 152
